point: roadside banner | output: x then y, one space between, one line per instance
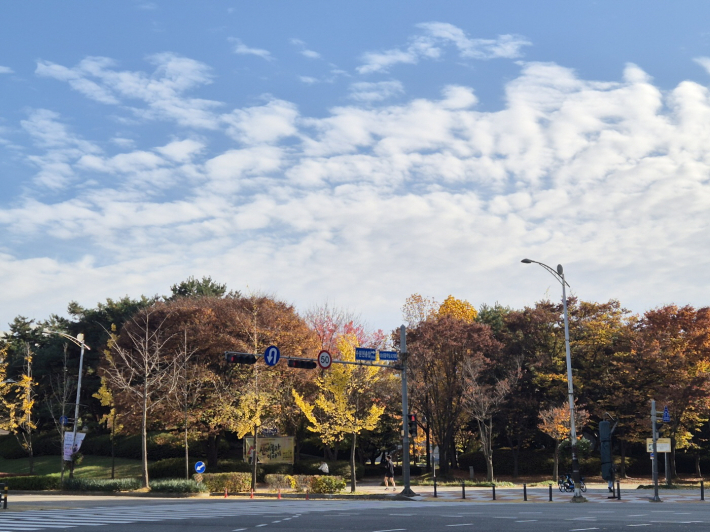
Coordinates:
270 450
69 447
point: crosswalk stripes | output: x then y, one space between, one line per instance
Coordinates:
73 518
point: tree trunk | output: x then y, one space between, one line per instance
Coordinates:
113 452
428 449
144 438
673 472
187 455
698 473
516 458
212 450
556 468
353 481
622 471
32 457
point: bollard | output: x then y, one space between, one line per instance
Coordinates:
702 490
279 495
435 495
306 494
550 492
494 492
463 490
618 490
4 496
251 496
226 493
525 492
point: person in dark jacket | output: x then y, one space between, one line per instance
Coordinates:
389 472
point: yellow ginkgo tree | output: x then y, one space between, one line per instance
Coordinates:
344 404
20 411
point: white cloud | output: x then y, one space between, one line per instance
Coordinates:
162 91
242 49
6 70
429 45
375 92
374 201
310 54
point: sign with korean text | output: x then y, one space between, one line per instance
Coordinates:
388 355
663 445
271 450
69 446
365 353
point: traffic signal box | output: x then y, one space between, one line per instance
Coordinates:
236 358
605 450
303 364
412 424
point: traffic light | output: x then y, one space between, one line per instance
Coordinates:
605 450
303 364
239 358
412 425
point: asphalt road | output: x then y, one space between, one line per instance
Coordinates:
357 516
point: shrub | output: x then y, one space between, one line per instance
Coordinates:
234 466
178 485
277 469
101 484
303 482
279 481
327 484
32 483
233 482
167 468
340 467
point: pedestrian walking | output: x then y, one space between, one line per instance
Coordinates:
389 472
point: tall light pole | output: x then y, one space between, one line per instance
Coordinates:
78 340
560 276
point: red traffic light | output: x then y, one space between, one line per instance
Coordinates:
302 364
239 358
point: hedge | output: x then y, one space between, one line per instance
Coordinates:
232 482
32 483
178 485
167 468
101 484
327 484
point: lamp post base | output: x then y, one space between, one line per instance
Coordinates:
579 498
407 492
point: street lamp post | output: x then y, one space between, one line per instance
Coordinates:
78 340
560 276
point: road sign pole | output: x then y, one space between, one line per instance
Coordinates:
405 411
654 436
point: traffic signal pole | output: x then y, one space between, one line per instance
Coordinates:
405 411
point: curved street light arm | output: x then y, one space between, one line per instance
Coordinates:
560 277
77 341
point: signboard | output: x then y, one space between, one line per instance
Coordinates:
365 353
272 355
69 446
270 450
666 415
200 467
324 360
663 445
63 420
388 355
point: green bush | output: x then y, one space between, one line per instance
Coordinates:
101 484
327 484
340 467
178 485
279 481
233 466
32 483
303 482
167 468
233 482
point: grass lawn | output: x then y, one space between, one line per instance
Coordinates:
91 466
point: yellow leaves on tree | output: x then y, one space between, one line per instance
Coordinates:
554 422
340 408
418 308
459 309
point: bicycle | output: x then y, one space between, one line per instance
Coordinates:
565 483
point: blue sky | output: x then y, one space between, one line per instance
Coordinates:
354 152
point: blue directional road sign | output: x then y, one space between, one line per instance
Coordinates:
64 420
666 415
200 467
365 353
388 355
272 355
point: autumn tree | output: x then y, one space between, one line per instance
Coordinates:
345 404
22 421
555 422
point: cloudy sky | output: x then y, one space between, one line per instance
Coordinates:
354 152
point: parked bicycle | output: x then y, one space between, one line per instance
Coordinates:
565 483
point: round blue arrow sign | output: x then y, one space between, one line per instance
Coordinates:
200 467
272 355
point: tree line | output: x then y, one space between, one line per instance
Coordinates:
481 379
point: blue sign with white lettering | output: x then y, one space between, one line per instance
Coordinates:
666 415
388 355
200 467
64 420
365 353
272 355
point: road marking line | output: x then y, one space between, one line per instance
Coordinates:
642 524
462 524
527 521
580 529
238 529
265 524
391 530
